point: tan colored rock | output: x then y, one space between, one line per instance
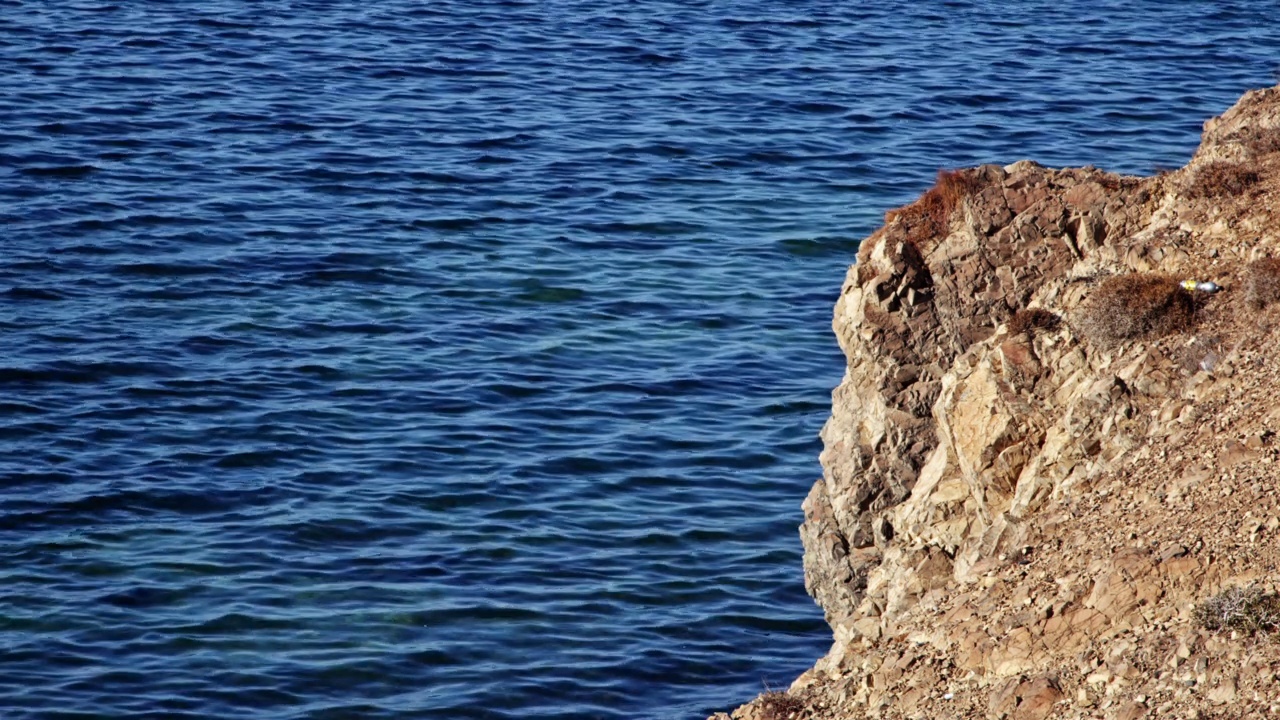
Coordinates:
1018 521
1132 711
1070 632
1018 699
1224 693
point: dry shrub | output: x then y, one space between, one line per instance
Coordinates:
929 216
1265 142
1136 305
1028 320
776 705
1217 179
1259 140
1109 181
1262 282
1248 610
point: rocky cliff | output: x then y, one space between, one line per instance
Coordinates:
1049 475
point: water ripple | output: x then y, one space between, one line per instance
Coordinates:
465 359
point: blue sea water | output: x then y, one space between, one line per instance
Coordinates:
466 359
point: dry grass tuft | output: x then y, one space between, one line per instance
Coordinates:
1248 610
1259 140
1262 282
929 216
1265 142
1221 179
776 705
1136 305
1029 320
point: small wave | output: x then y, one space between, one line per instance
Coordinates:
653 58
143 597
821 246
537 293
67 172
85 372
668 150
157 269
235 624
488 159
513 140
205 344
33 293
363 276
456 223
668 228
222 23
255 458
819 108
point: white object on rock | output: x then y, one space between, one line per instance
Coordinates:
1208 286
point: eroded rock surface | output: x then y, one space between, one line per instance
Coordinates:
1016 520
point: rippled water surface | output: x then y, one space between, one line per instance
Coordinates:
465 359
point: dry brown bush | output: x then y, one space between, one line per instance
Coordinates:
1247 610
776 705
1223 178
1109 181
1136 305
1259 140
1262 282
1028 320
929 216
1265 142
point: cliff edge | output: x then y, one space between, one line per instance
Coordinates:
1049 475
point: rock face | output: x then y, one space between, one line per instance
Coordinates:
1045 454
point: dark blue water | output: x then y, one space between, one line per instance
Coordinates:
465 359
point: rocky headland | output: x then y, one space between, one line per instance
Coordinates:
1050 482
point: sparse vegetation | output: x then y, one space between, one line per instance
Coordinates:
1262 282
777 705
1219 179
1028 320
1265 142
1259 140
1247 610
930 215
1137 305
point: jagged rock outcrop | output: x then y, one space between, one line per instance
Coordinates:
1019 511
910 309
